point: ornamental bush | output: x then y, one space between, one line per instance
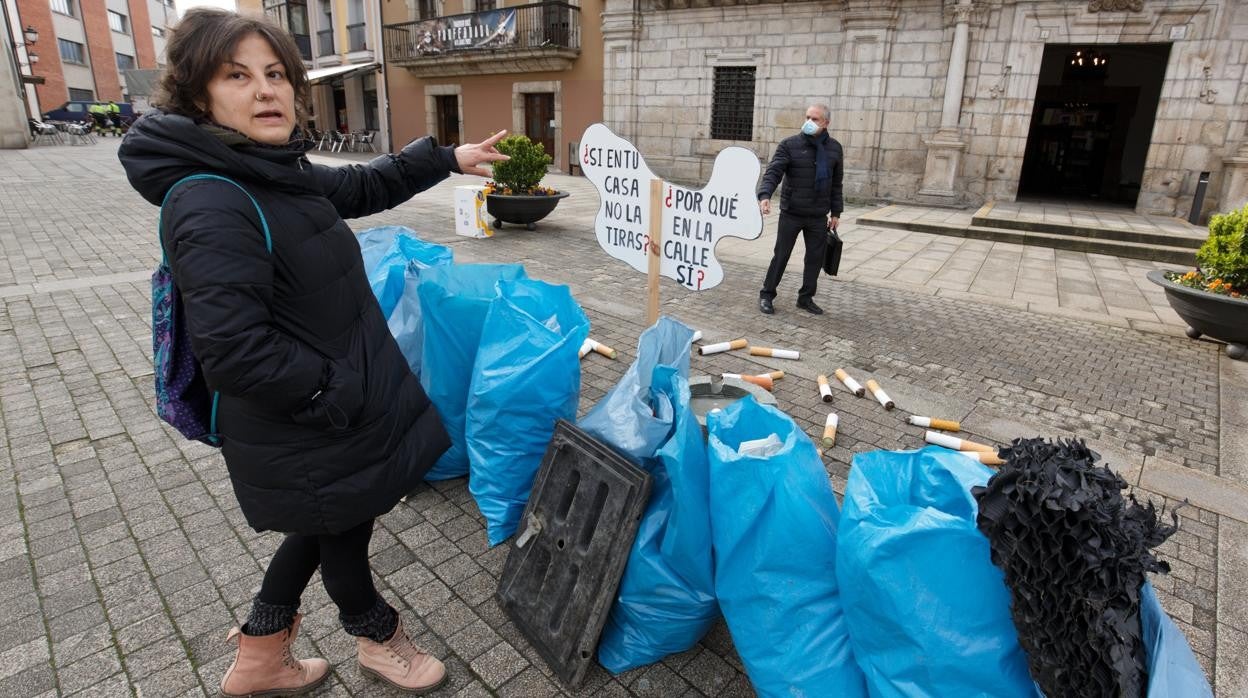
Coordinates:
1225 254
525 169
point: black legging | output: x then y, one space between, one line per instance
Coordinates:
343 559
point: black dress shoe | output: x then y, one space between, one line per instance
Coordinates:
766 306
810 307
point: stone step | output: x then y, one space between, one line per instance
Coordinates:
1116 234
1184 256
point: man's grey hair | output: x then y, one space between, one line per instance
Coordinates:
827 113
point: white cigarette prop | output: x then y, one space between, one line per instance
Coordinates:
953 442
591 345
775 353
825 390
984 457
829 430
697 336
722 347
850 383
880 395
930 423
763 381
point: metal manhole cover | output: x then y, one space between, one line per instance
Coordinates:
567 558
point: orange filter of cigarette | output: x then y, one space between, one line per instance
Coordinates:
764 381
605 350
776 375
984 457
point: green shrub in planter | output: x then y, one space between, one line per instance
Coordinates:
1225 254
527 166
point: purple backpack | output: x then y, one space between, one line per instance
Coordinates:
183 399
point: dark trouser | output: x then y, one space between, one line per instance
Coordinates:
343 559
814 230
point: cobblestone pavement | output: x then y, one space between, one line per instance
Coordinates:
124 556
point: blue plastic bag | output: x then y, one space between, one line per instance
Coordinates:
773 523
454 299
527 375
375 242
928 612
666 600
1173 671
625 418
395 272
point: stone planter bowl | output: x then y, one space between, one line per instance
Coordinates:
522 209
1220 317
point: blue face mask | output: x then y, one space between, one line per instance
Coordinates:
809 128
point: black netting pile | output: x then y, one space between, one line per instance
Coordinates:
1074 551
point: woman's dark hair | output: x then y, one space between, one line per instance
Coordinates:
204 40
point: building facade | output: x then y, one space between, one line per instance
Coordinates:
953 102
462 70
340 41
85 47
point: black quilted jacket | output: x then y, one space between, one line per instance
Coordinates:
323 424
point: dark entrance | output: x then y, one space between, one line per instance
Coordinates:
1092 122
539 112
340 108
448 119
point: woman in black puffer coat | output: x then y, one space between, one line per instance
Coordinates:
323 425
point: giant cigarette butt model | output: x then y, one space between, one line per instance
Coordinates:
591 345
722 347
829 430
930 423
775 353
880 395
935 437
825 390
850 383
763 381
984 457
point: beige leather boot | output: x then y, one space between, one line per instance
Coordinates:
264 666
401 663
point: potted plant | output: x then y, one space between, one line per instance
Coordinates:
1213 298
515 196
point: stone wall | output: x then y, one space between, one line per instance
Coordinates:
882 65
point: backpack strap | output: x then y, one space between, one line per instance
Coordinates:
212 437
268 240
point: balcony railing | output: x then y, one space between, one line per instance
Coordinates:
357 39
325 42
541 36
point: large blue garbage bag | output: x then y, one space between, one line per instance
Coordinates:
625 418
375 242
666 601
527 375
392 277
928 612
454 300
1173 671
773 523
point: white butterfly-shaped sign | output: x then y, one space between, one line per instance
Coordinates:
693 221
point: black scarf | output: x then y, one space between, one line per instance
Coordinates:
823 170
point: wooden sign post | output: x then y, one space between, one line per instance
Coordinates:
654 261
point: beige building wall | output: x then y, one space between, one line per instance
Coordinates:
489 102
882 66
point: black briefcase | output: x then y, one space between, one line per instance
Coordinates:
832 253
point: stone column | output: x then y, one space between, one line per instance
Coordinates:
1234 194
14 133
945 147
621 30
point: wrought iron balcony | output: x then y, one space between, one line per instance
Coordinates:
544 36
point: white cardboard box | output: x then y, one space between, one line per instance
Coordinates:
471 217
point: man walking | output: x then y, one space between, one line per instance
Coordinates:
812 167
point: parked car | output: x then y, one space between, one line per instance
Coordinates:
77 111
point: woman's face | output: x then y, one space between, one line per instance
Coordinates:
251 93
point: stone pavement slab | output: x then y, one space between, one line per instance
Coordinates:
126 555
